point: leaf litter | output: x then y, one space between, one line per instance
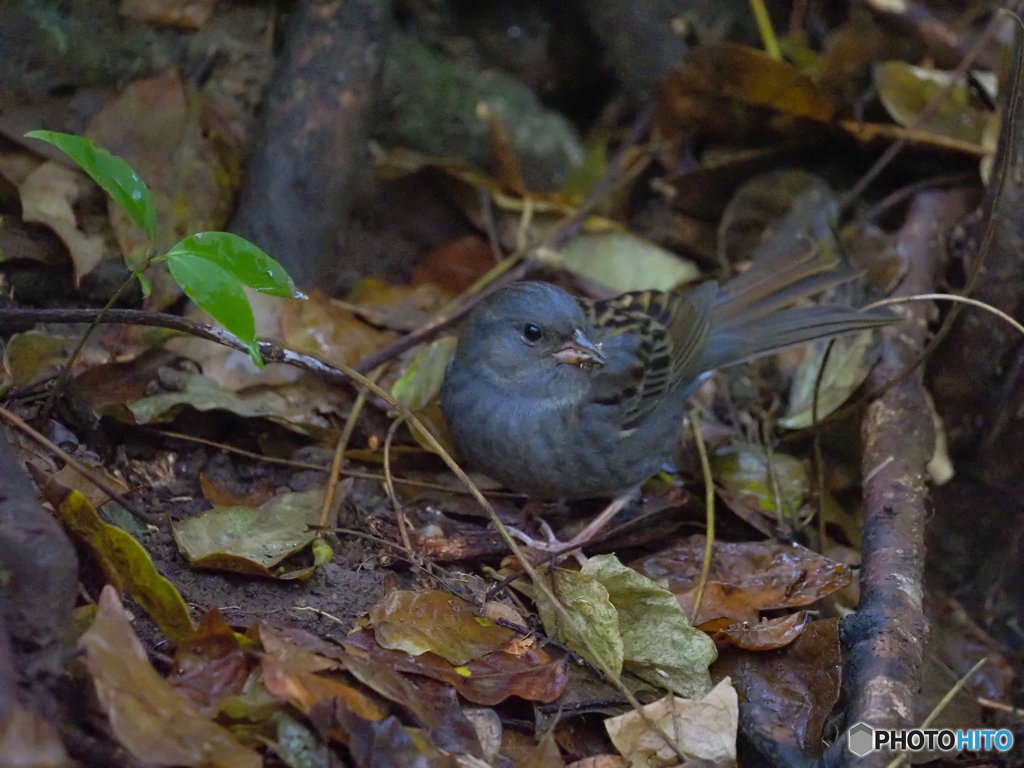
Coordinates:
390 675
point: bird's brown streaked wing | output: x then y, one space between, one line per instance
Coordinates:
670 329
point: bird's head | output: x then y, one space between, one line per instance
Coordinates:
530 336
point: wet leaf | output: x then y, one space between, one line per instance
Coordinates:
112 173
434 705
417 622
394 307
754 476
47 196
257 494
595 620
765 635
905 90
373 743
252 541
455 265
658 643
796 686
697 94
241 259
625 262
126 564
220 293
147 715
210 666
703 729
769 574
530 674
848 365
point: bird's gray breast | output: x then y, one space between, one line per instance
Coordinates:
544 447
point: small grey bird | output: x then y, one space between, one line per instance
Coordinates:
567 398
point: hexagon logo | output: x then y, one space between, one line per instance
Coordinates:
861 739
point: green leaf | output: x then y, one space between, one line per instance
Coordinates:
659 644
420 384
112 173
239 258
581 179
145 284
219 293
595 621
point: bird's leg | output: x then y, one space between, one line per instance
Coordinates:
556 547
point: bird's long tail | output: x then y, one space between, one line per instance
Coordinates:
749 316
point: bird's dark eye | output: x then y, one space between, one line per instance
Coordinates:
532 333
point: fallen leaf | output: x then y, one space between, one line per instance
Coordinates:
532 675
148 717
625 262
703 729
417 622
211 665
124 561
31 356
658 643
320 327
773 574
594 620
765 635
848 365
905 90
47 196
749 472
251 541
794 688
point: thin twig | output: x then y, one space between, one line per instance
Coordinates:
819 462
948 297
957 687
403 529
709 506
764 26
339 451
62 376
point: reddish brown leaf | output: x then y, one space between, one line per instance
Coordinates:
765 635
771 574
211 666
489 680
797 685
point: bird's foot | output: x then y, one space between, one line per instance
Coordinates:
553 547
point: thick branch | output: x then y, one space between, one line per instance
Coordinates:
888 632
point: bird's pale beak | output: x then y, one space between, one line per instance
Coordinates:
580 351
